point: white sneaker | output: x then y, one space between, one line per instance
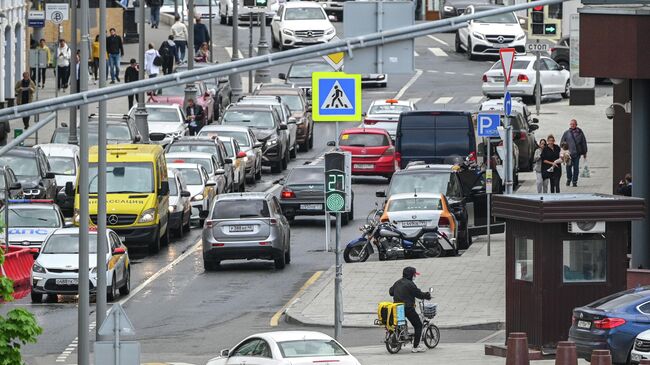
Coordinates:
418 349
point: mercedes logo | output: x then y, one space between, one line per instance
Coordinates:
112 219
639 343
311 186
414 216
500 39
310 33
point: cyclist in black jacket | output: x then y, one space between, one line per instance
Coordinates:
405 291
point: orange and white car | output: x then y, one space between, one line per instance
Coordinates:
384 114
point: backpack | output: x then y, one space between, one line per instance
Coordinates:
164 50
390 314
157 61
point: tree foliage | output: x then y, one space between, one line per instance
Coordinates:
17 328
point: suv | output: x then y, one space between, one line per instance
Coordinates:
300 23
487 35
120 129
560 52
268 129
283 111
32 169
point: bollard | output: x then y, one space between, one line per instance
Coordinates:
566 353
601 357
517 353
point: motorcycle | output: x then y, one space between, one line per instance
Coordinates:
400 336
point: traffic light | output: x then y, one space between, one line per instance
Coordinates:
338 182
537 20
540 25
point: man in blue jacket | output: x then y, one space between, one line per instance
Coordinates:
577 142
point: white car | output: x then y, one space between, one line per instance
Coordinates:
209 161
553 78
286 348
180 210
226 7
32 221
486 36
239 159
247 142
56 268
166 122
64 163
199 185
300 23
641 348
384 114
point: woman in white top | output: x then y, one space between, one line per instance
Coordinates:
152 62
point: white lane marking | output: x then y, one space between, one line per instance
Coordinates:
438 52
433 71
415 53
229 51
469 74
474 100
415 100
450 73
410 83
443 100
438 40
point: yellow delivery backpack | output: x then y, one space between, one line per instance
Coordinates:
388 314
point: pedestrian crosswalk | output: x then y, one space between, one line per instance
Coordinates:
437 51
443 100
455 100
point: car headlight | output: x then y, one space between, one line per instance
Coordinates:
245 159
478 35
287 31
448 8
38 268
330 31
522 36
197 197
171 209
147 216
272 141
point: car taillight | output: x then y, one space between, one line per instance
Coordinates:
609 323
398 158
390 151
485 78
273 221
522 78
553 49
209 224
287 194
370 121
443 222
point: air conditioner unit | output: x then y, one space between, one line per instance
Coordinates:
587 227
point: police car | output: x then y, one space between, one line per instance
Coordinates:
56 268
32 221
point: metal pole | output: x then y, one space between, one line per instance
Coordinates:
250 49
6 213
508 166
116 344
141 110
380 28
327 232
38 74
338 294
262 75
56 82
210 26
538 87
176 8
84 270
101 184
72 137
235 79
190 89
18 140
488 145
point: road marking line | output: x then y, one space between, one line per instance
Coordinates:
438 40
489 337
450 73
276 317
469 74
443 100
438 52
410 83
229 51
433 71
474 100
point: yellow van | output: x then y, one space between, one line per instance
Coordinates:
137 194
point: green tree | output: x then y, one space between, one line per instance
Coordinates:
17 328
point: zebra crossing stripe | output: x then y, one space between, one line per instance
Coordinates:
443 100
437 51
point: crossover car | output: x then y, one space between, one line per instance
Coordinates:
247 143
283 111
201 188
64 163
239 159
165 122
384 114
300 23
33 171
209 162
372 149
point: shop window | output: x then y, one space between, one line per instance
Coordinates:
524 259
584 260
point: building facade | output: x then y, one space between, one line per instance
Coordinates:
12 46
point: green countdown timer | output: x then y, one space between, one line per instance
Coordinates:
335 191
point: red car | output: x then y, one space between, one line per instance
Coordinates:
372 151
176 95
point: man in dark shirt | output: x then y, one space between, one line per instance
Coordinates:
132 74
25 89
201 34
405 291
115 50
577 142
194 117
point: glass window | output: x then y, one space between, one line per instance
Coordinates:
194 147
616 300
294 102
254 119
62 165
584 260
22 166
306 175
240 209
414 204
364 140
191 176
645 308
205 162
388 109
428 182
304 14
551 65
173 188
304 70
68 244
262 350
523 259
517 65
310 348
34 218
230 152
247 348
506 18
162 115
126 177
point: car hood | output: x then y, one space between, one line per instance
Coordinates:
310 24
263 134
165 127
65 261
28 182
131 203
20 234
61 180
496 28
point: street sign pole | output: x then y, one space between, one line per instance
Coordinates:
250 48
507 56
235 79
141 111
210 25
488 191
338 280
538 91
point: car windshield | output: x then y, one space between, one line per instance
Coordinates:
294 102
414 204
33 218
205 162
124 177
304 14
68 244
115 133
162 115
618 300
363 140
62 165
388 109
517 65
22 166
505 18
310 348
240 209
204 148
306 176
191 176
253 119
241 137
304 70
429 182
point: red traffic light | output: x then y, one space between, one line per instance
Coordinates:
538 8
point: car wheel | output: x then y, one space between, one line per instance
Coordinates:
126 288
304 147
281 43
470 56
211 265
286 159
111 294
287 255
567 90
187 227
294 151
274 43
564 64
36 297
280 262
154 246
229 19
457 45
242 186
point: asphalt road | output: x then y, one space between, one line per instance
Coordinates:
183 314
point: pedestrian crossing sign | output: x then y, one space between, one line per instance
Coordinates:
336 97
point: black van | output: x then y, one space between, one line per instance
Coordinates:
434 136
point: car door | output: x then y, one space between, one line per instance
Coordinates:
457 203
116 261
277 212
292 126
48 183
275 23
228 167
250 352
555 71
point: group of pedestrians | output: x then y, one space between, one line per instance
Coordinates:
201 44
550 157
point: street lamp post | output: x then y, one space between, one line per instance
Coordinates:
141 110
72 73
262 75
235 79
190 89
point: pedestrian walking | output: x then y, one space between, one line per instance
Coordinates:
201 34
130 75
115 50
577 142
63 57
25 89
154 7
152 62
550 168
5 129
168 52
194 117
179 31
542 185
77 68
625 186
42 46
203 54
95 57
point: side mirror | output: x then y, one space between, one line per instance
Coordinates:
308 109
185 194
119 251
137 138
49 175
331 143
64 125
164 188
292 120
221 171
283 127
363 114
224 353
227 161
258 145
533 127
69 188
156 136
241 154
210 183
331 18
282 76
276 18
522 21
15 186
380 194
34 252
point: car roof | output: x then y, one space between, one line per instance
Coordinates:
385 102
250 107
240 196
282 336
279 91
21 151
194 140
189 155
302 4
415 195
72 230
132 150
59 149
222 127
364 131
51 206
182 165
160 106
226 139
428 167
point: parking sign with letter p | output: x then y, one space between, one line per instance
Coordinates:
487 124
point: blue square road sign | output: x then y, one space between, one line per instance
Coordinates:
486 125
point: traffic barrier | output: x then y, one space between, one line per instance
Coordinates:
601 357
517 349
566 353
18 267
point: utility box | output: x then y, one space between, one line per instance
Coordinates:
562 251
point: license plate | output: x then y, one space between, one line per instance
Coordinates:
414 223
311 206
584 324
67 281
635 357
309 40
498 79
500 45
242 228
363 166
